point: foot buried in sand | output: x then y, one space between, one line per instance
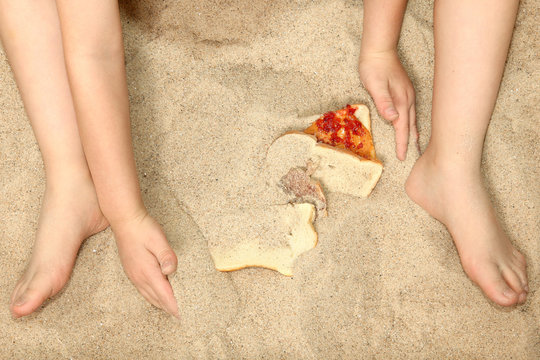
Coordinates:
462 204
69 214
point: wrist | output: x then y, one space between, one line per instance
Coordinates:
124 214
381 27
378 52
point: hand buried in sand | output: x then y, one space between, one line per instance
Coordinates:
392 91
147 259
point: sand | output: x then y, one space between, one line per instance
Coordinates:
212 83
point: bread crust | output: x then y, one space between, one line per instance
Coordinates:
296 220
357 176
317 143
320 167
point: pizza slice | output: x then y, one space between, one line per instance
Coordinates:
343 129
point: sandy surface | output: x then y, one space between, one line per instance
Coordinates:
212 83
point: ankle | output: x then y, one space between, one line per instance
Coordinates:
452 167
68 179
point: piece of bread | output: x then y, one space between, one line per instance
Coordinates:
337 169
271 237
274 236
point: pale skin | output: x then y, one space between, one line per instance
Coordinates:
73 85
471 44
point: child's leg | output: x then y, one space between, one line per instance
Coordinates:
30 33
94 53
471 44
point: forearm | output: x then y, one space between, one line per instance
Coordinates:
382 25
101 99
95 63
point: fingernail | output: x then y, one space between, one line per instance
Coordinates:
391 112
508 293
173 313
20 300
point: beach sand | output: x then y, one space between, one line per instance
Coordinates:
212 84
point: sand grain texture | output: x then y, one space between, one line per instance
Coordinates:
212 84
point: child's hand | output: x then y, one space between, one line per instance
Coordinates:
392 91
147 259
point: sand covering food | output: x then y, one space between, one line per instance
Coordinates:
212 84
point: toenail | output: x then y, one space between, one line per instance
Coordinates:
522 298
509 293
20 301
526 288
166 265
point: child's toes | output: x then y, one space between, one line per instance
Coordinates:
512 279
31 297
520 268
17 291
493 284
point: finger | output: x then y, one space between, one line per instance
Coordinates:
401 127
163 291
383 101
413 127
164 254
140 279
147 292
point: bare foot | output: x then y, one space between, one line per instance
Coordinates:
459 200
69 214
